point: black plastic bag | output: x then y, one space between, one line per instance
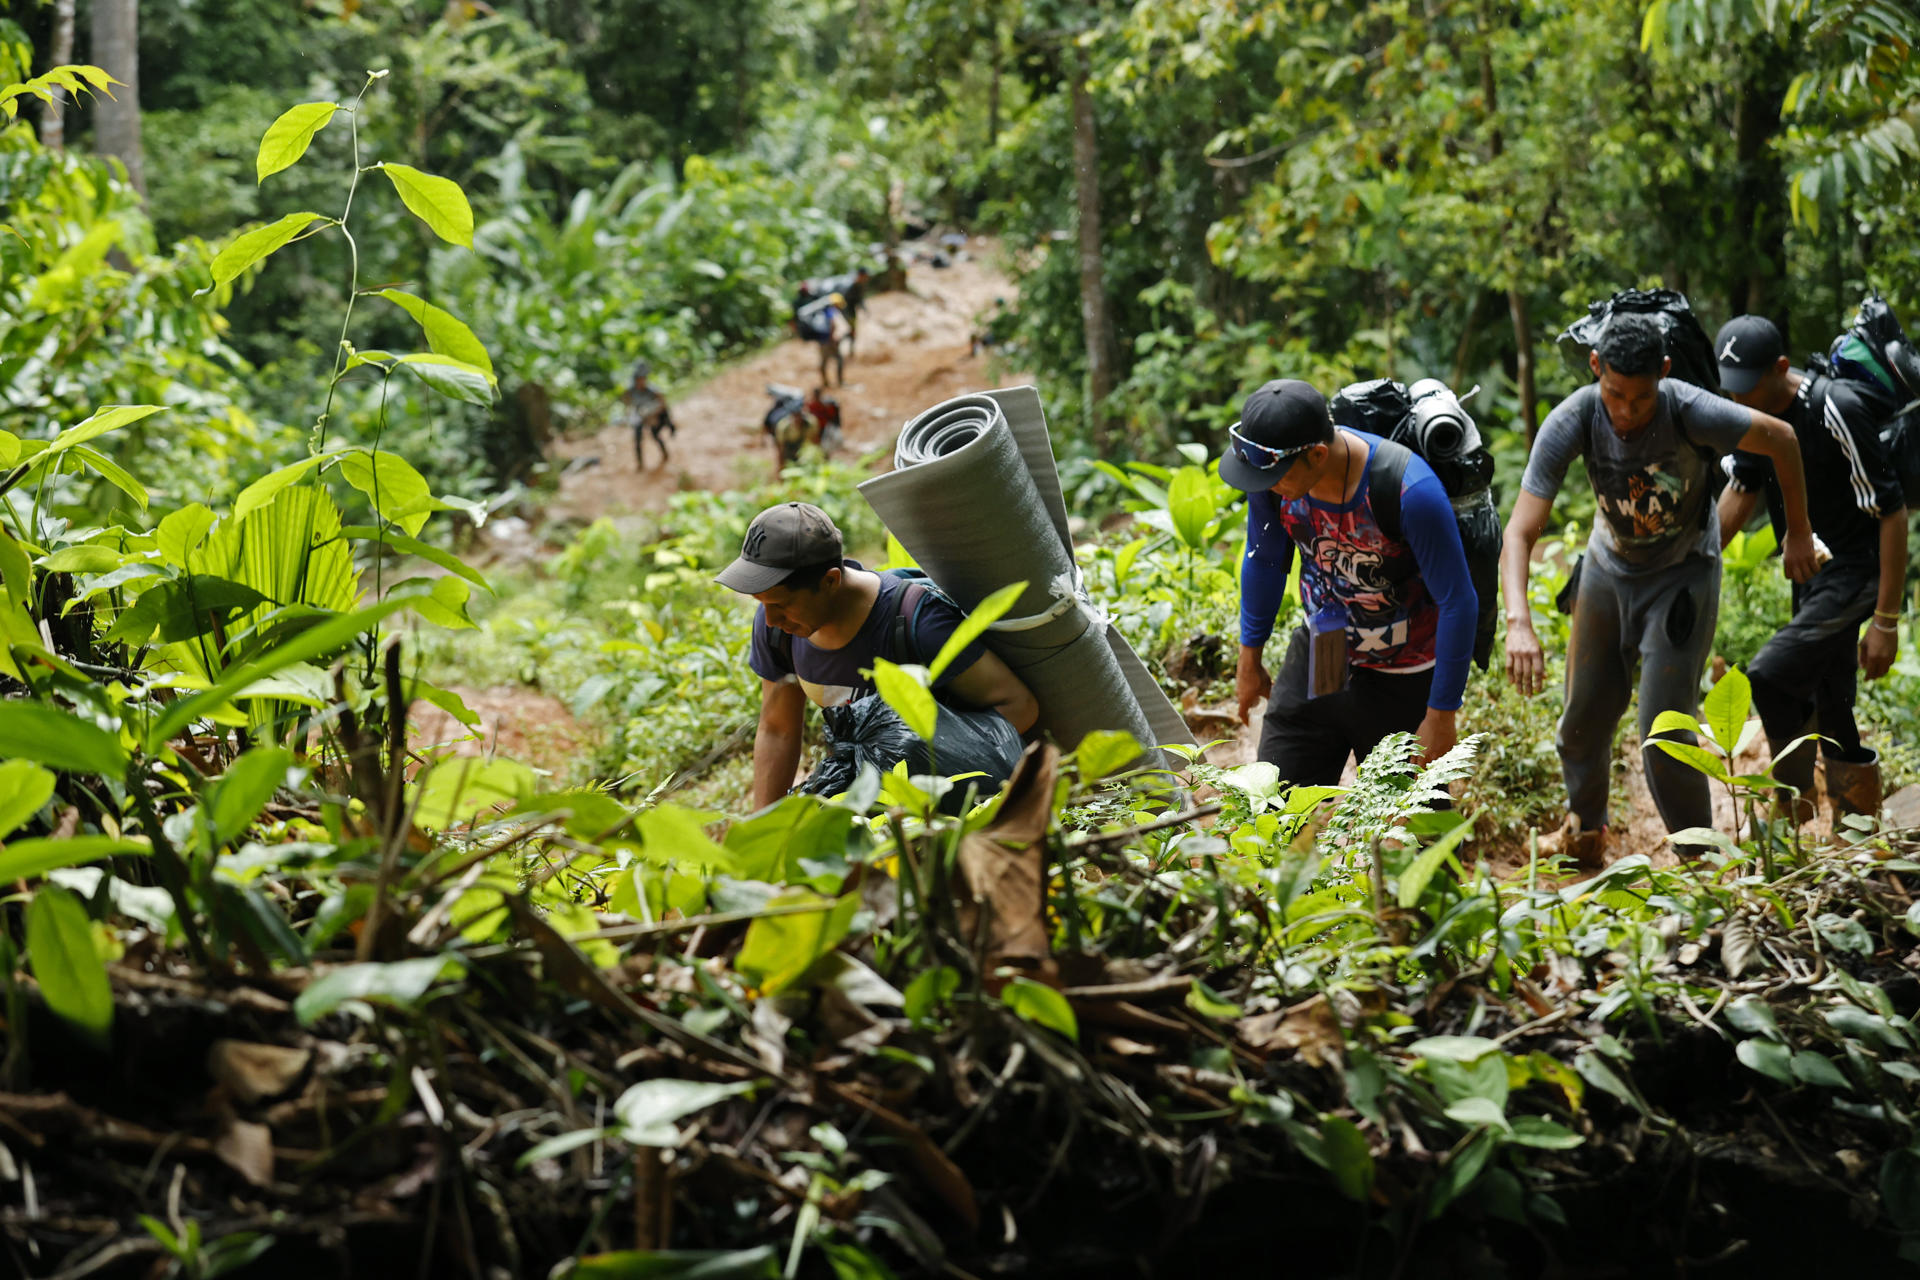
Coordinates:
1687 343
1902 438
868 731
1377 407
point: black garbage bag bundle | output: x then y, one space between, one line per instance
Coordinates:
1687 343
868 731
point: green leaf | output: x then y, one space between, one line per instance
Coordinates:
182 532
438 202
107 418
258 244
1106 751
649 1111
262 491
182 608
320 639
454 379
92 558
1775 1061
1538 1131
1699 757
72 976
1347 1157
446 333
1844 933
288 138
1191 504
988 612
401 984
457 791
445 604
1477 1112
677 1264
1208 1004
24 787
559 1146
1414 880
779 949
1671 721
1815 1069
1755 1017
36 731
929 990
16 567
677 837
771 845
244 789
1040 1004
24 859
1454 1048
904 688
398 491
113 473
1900 1188
414 547
1725 709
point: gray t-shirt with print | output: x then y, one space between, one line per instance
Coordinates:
1654 490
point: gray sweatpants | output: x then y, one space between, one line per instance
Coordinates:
1662 623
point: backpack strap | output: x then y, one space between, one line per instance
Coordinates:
900 635
1386 471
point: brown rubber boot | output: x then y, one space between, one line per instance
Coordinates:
1587 849
1853 786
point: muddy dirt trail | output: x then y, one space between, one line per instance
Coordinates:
912 352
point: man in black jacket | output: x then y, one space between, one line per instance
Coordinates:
1806 672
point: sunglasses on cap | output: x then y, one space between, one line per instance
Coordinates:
1264 457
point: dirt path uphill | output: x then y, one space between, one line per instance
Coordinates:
912 353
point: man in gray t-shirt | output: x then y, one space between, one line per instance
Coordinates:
1649 588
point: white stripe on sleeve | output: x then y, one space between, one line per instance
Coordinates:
1863 496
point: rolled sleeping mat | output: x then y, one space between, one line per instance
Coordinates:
975 498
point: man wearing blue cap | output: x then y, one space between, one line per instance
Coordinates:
1390 621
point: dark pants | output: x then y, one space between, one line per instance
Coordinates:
660 428
1806 675
1309 739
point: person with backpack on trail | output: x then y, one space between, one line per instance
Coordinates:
824 322
1390 620
1806 672
822 621
1649 585
646 411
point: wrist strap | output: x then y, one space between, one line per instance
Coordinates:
1890 616
1882 625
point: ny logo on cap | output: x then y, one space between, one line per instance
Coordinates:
756 538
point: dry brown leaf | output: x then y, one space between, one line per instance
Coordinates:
253 1073
1003 870
247 1149
1308 1028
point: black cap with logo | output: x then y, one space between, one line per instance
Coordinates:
1280 421
1748 348
793 535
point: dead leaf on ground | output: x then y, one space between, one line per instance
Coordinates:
1003 870
254 1073
1308 1028
247 1149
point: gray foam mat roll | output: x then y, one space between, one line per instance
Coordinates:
975 498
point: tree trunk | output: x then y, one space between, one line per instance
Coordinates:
1757 247
1094 317
1523 362
116 121
53 123
1464 348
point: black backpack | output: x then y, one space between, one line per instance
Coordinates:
1429 422
1877 359
1687 343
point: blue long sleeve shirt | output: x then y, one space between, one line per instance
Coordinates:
1410 604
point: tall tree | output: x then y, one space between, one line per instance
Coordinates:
1094 315
116 50
53 124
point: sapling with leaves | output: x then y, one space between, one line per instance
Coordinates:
1726 731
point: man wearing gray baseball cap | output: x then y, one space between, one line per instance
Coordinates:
823 620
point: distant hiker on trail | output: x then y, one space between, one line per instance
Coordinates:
795 421
991 329
1390 622
852 288
646 412
1804 676
822 621
824 321
1648 589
